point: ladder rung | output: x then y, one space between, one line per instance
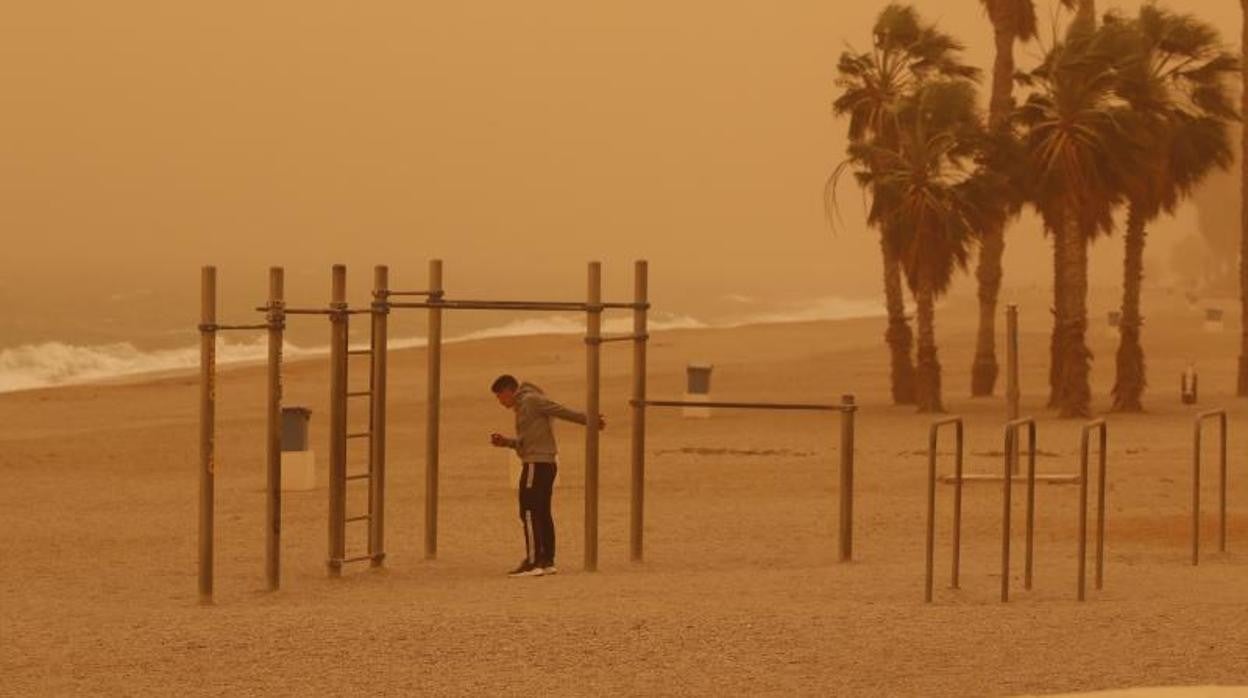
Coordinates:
361 476
360 435
360 393
358 352
362 517
358 558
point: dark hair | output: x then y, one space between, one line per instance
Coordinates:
504 382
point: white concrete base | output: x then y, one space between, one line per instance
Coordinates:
696 412
298 471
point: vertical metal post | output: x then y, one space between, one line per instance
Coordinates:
1011 454
433 406
638 445
207 425
930 557
1100 509
377 413
957 507
1222 423
1196 495
273 443
1031 503
339 338
593 336
1012 390
1081 583
846 524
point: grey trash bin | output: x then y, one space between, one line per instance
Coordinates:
295 428
697 389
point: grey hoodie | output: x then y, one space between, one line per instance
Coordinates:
535 439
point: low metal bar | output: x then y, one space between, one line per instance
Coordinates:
360 393
414 293
361 476
359 435
215 328
1198 430
1099 426
617 338
933 441
361 517
359 352
1011 465
357 558
748 405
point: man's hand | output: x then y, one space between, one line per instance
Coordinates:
499 440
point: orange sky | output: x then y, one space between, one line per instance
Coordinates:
517 140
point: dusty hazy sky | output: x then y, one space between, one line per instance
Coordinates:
143 138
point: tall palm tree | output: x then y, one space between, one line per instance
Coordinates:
1177 81
1079 140
932 203
1012 21
1243 214
905 52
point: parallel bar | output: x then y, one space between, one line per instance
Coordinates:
264 326
273 445
359 435
1098 425
361 476
377 413
1012 392
544 306
433 402
608 339
393 294
748 405
846 526
1198 430
933 441
637 471
339 562
361 517
360 393
339 337
1100 509
1031 504
957 507
359 352
593 328
1011 436
207 427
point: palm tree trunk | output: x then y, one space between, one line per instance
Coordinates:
1074 393
927 369
984 370
1243 245
1130 380
1059 307
898 336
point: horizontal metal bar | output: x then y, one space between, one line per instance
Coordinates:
743 405
358 558
207 327
413 293
361 476
320 311
547 306
607 339
361 517
360 435
626 306
361 393
1057 479
358 352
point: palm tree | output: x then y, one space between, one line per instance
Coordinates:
1079 140
1012 21
1243 206
905 52
931 204
1177 82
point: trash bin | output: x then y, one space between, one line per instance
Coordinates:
298 461
1213 320
698 389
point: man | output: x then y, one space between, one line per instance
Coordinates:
535 444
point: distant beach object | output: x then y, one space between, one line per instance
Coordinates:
298 461
1012 390
1113 323
1213 320
697 388
1188 385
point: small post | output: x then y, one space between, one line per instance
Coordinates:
207 425
433 405
1222 422
957 506
930 557
1100 508
1011 454
1012 390
593 335
933 443
1196 495
377 414
846 525
1031 502
638 444
1083 515
339 338
273 444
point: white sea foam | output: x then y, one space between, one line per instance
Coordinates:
57 363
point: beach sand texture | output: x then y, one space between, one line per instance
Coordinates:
740 591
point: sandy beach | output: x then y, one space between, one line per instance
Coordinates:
740 592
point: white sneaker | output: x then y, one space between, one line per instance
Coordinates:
526 569
549 570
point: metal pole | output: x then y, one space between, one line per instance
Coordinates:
377 414
1100 509
930 558
1031 502
957 507
1011 454
433 405
273 446
846 526
207 424
638 451
593 331
1222 422
1196 495
1012 390
1081 579
339 337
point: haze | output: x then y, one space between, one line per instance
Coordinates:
515 140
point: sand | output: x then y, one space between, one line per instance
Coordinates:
740 591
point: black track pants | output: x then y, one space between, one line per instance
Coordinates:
537 480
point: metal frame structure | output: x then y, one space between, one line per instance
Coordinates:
847 408
933 441
1102 430
1197 432
1011 466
